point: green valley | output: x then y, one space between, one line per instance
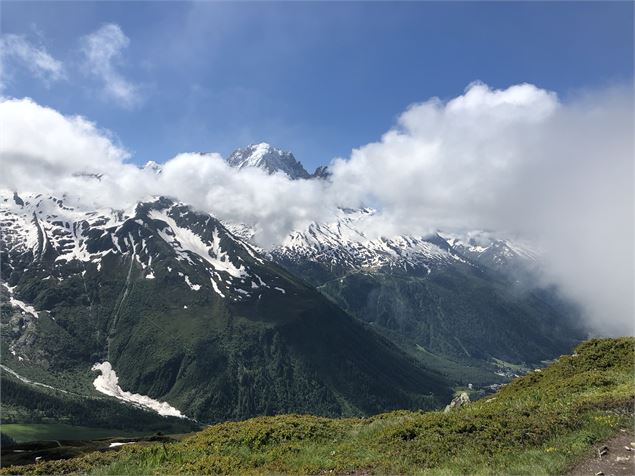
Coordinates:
541 423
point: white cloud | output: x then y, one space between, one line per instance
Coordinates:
447 164
516 160
17 51
45 151
52 144
42 149
102 51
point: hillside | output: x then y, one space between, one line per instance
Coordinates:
181 315
453 302
542 423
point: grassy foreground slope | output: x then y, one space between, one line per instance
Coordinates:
538 424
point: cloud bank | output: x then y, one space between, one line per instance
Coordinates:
516 160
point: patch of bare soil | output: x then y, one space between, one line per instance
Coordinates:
615 457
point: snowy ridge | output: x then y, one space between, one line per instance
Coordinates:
184 240
39 225
490 250
45 230
205 242
40 228
108 384
343 243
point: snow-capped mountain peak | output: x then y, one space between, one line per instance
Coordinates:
343 244
161 236
265 156
152 166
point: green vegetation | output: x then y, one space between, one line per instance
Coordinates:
538 424
456 319
509 365
460 313
58 431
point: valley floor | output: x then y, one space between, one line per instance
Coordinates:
547 422
59 431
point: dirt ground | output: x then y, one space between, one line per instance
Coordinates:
618 461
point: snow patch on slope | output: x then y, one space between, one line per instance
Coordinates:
26 308
193 287
184 240
108 384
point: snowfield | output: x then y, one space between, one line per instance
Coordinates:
108 384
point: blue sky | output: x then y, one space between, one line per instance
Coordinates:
315 78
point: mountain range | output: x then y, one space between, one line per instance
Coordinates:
169 311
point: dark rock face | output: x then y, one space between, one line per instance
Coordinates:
322 172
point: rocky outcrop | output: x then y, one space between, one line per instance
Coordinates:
458 402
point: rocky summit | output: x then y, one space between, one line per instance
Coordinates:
268 158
